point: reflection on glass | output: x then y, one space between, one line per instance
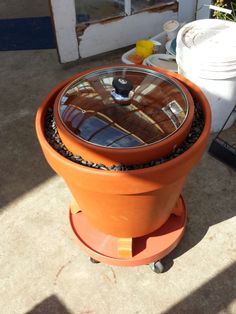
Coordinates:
157 109
91 10
140 5
175 112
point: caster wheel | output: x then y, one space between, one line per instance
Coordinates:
157 267
94 261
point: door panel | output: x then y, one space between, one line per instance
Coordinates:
86 27
117 33
120 31
95 11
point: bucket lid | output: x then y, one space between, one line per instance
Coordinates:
209 41
122 107
170 26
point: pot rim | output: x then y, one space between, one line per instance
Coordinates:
40 115
82 143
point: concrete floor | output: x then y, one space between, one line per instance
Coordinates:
42 269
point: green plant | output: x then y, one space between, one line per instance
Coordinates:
225 16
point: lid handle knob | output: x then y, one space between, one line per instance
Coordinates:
123 90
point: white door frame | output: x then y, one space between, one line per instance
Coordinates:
64 17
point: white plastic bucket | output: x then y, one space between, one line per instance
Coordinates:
206 54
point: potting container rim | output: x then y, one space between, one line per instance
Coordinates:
40 122
48 102
109 134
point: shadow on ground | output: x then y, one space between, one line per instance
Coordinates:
51 305
22 164
210 199
212 297
26 78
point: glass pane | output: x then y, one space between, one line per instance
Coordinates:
92 11
139 5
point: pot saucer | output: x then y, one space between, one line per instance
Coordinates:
147 249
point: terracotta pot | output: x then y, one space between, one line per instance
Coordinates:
130 203
133 155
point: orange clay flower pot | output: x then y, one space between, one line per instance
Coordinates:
131 203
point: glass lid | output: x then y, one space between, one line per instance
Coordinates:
123 107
